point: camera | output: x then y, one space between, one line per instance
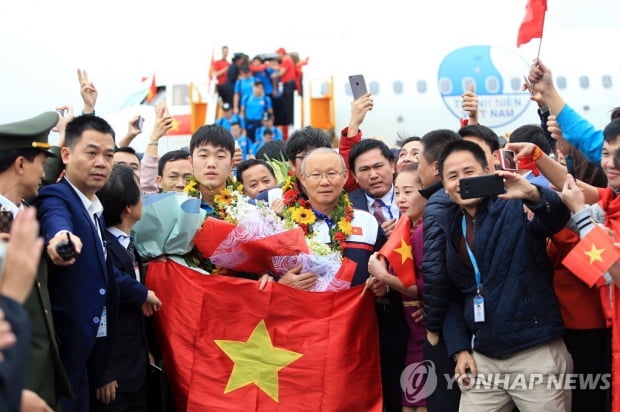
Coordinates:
66 249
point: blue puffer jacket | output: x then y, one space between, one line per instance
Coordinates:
521 310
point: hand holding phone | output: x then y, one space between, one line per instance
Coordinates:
481 186
358 85
507 160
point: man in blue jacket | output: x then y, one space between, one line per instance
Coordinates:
82 287
506 325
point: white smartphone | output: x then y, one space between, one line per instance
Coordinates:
507 160
358 85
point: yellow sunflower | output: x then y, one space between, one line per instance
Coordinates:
191 188
302 215
225 197
345 227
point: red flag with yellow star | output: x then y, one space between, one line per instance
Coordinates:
229 346
592 256
397 250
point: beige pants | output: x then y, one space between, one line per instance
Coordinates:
534 380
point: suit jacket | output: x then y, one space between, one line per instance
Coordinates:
358 200
129 360
78 292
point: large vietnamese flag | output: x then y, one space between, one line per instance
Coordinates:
279 349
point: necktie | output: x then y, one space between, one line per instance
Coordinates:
131 250
378 211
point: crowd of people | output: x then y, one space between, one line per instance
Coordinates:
491 296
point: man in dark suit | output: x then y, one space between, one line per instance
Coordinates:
372 164
82 287
23 153
123 385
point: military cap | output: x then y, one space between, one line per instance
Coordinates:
30 133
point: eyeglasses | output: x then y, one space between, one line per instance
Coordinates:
317 177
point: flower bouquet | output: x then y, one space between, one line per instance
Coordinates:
252 238
168 224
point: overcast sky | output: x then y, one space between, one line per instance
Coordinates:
42 43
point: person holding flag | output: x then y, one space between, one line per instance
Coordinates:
403 253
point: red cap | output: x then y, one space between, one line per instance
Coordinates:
281 50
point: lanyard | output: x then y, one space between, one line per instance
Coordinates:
471 256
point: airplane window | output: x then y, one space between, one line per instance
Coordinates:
466 82
421 86
445 85
398 87
180 95
584 82
373 88
561 82
492 84
606 79
515 84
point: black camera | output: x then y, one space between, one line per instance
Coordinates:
66 249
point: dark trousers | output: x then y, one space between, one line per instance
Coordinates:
591 352
446 397
393 334
124 402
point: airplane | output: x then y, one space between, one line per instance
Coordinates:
409 100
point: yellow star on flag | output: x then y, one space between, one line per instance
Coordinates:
404 251
595 254
256 361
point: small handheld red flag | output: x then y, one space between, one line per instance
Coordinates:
152 90
397 250
592 256
532 25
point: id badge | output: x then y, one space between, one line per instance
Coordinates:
478 308
102 332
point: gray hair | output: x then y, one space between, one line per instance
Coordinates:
321 150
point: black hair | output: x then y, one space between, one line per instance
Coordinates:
488 136
409 167
615 113
533 134
214 135
305 139
246 164
258 83
8 157
367 145
76 127
461 146
404 140
170 156
274 150
612 131
126 149
121 190
434 141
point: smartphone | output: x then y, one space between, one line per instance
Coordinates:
140 122
358 85
570 165
507 160
6 219
481 186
